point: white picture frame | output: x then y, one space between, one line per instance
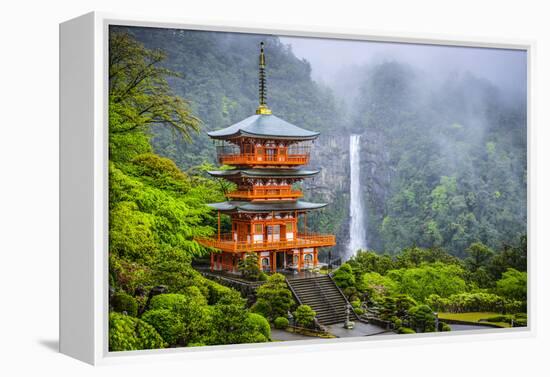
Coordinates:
84 188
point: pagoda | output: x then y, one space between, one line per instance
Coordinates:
267 155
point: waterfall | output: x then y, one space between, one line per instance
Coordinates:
357 228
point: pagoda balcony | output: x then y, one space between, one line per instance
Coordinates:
263 155
259 159
227 243
266 193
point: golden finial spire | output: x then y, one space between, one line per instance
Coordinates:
262 109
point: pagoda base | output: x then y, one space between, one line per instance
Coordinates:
269 261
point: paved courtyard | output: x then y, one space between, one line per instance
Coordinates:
360 329
338 330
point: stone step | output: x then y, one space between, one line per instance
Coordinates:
323 296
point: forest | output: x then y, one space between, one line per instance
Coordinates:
446 193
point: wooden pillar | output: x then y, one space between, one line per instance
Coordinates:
211 261
272 226
259 261
300 260
219 226
272 259
315 258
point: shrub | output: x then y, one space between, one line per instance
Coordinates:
444 327
422 318
128 333
405 330
191 312
232 324
343 277
356 303
397 323
274 299
499 318
167 323
255 323
216 292
304 316
359 311
281 323
472 302
123 302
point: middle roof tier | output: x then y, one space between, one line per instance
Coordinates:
236 174
279 206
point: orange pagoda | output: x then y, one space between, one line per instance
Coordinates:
266 153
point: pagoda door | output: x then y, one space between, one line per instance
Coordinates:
243 232
282 154
273 233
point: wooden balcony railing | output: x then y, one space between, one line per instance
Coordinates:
263 159
228 244
266 193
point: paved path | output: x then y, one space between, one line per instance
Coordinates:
360 329
283 335
457 327
338 330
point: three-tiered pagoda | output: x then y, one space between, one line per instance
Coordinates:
267 154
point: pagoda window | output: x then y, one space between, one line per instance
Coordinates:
258 233
289 231
265 264
273 233
308 259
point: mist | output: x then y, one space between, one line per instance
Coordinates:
332 61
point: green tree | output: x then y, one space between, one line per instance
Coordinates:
344 276
304 316
273 298
479 256
513 285
437 278
233 324
422 318
249 267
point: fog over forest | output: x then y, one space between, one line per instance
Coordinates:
333 59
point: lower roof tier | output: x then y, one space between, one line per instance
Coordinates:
252 207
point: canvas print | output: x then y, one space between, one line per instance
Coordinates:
268 188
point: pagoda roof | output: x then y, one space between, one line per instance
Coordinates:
266 126
263 173
241 206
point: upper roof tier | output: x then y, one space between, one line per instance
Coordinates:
264 126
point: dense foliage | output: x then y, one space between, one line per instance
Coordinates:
155 212
273 298
128 333
405 289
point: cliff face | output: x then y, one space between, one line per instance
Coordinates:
330 154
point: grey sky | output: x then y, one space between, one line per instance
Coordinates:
507 69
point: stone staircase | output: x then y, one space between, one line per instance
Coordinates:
323 296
